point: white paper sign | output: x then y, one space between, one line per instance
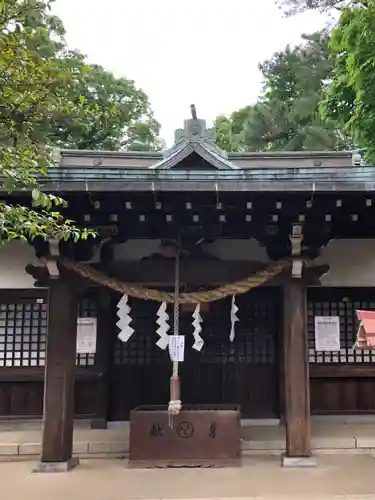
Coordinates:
327 333
177 347
86 335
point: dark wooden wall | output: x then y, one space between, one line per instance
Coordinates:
122 376
341 383
23 320
22 396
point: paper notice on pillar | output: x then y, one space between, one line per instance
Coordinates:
327 333
177 347
86 335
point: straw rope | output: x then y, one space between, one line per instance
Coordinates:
139 292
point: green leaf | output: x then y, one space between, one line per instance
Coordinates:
287 114
51 98
35 194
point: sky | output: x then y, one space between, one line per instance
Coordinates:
181 52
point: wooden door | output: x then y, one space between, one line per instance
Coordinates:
244 372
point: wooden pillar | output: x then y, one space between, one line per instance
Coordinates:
58 413
296 374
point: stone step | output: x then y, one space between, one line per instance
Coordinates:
88 448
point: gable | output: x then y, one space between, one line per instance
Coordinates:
194 162
194 149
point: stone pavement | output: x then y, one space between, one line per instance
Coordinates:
338 477
24 440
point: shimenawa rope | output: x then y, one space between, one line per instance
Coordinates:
139 292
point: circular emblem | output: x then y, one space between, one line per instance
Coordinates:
185 430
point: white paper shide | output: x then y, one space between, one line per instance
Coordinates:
162 318
86 335
177 347
126 331
197 320
327 333
233 319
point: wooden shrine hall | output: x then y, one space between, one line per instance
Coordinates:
287 238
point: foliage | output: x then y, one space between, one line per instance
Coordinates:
49 97
351 93
32 93
117 113
291 7
287 117
230 131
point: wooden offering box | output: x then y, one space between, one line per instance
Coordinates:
199 436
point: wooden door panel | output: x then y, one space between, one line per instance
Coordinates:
26 399
342 395
244 372
132 386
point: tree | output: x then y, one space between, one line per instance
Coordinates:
118 114
287 117
351 93
230 130
33 91
52 97
291 7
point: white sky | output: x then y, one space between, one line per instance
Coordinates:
180 52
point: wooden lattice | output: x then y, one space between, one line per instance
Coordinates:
342 303
23 331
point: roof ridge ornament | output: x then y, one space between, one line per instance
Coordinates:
195 136
194 129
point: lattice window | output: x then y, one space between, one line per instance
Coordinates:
23 333
255 340
141 349
87 308
342 303
256 332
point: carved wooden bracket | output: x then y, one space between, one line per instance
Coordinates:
297 265
296 241
52 258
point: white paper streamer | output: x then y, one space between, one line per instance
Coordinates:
233 318
162 331
197 320
126 331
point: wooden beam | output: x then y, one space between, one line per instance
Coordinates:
58 413
296 371
336 370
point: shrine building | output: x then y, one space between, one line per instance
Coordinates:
288 237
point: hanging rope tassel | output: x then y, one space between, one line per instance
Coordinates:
175 405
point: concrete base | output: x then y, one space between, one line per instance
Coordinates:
57 466
298 462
